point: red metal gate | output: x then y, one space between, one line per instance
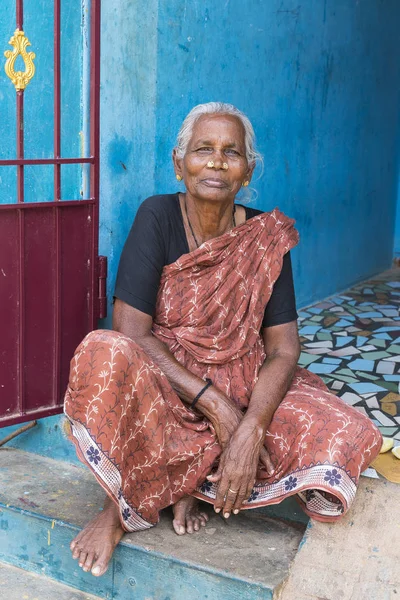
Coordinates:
52 282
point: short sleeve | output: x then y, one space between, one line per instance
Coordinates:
281 307
142 261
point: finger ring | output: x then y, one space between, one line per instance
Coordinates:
233 491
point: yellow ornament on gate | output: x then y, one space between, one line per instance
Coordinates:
19 78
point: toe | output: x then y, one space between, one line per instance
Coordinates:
89 561
189 525
203 519
196 524
76 552
82 558
100 567
76 540
178 527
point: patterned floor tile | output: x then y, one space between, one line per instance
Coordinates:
353 342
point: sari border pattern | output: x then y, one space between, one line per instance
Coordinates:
337 487
107 474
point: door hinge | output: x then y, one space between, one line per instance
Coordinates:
102 271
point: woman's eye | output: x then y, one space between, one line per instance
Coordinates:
204 149
231 152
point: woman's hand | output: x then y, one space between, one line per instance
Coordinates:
225 418
237 469
226 422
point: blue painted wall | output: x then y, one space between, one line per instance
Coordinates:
320 80
396 244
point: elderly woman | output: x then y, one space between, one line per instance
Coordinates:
196 393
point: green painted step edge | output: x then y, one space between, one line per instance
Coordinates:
133 573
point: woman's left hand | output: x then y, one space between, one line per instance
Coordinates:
237 468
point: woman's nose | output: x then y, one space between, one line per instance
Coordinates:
217 160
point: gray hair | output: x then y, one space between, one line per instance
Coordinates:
213 108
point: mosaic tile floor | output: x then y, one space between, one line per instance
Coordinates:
352 341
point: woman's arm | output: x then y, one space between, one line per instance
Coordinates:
213 404
282 347
238 465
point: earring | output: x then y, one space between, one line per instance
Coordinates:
245 183
210 164
179 178
225 166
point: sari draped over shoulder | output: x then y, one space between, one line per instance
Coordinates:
148 450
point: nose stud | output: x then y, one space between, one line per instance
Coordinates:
211 165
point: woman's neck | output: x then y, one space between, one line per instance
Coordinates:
208 219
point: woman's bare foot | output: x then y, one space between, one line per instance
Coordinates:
187 517
95 544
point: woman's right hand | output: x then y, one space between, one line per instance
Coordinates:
225 419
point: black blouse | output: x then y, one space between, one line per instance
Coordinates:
157 238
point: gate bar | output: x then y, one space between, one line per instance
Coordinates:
95 149
21 336
46 161
20 144
57 98
95 99
30 205
21 232
20 15
20 112
57 198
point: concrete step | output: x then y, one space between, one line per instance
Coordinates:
44 502
17 584
356 558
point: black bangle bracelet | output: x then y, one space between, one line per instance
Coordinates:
201 392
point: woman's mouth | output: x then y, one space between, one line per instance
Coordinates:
215 183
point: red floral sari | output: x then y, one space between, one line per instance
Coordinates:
148 450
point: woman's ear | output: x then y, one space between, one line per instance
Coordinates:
250 171
177 164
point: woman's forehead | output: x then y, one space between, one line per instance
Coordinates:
218 126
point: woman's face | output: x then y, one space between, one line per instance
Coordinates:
220 139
